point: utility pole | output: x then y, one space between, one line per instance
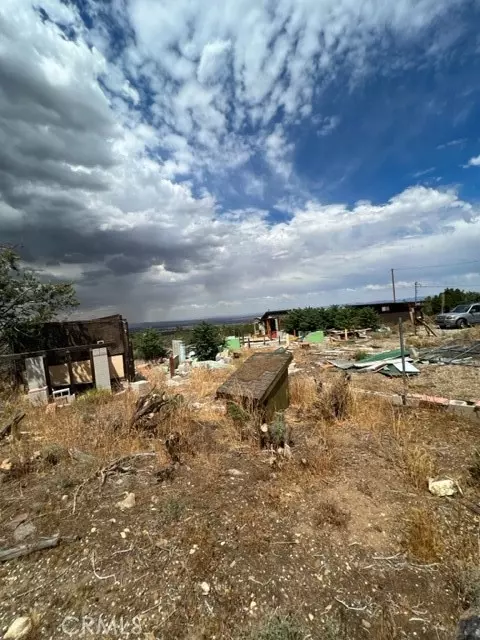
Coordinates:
443 302
393 285
415 308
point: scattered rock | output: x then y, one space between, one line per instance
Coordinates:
442 488
6 465
205 587
366 624
127 503
20 628
14 522
234 472
23 531
468 628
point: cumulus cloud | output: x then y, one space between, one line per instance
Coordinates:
474 162
104 153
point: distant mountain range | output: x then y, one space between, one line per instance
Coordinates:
169 325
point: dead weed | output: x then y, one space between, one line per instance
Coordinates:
419 465
422 540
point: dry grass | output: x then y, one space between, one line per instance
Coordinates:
204 382
419 465
303 391
422 539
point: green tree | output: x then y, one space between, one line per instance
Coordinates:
149 344
313 319
207 341
367 318
453 297
26 301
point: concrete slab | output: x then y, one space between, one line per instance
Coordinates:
261 383
101 368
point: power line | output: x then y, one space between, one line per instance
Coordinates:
437 266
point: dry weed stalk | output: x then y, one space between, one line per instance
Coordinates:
303 391
419 465
422 540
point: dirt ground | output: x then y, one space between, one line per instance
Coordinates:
333 537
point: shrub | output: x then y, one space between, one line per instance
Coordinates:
207 341
149 344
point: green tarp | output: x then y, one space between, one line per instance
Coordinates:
385 355
315 337
233 343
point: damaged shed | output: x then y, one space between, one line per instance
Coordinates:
75 355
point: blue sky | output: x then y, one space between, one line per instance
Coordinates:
186 159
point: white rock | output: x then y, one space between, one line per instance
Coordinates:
441 488
23 531
20 628
127 503
6 465
287 451
234 472
205 587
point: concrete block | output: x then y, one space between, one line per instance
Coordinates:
35 372
140 388
38 396
101 368
461 407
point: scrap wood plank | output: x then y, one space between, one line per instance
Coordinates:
11 424
25 549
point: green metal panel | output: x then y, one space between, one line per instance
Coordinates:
315 337
233 343
385 355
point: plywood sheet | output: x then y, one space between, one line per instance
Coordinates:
59 375
115 364
82 372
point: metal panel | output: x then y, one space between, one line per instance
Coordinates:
82 372
116 367
59 375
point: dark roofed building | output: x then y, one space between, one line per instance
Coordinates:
271 322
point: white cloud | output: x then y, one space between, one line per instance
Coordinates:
213 65
278 152
88 182
474 162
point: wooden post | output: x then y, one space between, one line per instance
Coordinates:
402 351
172 366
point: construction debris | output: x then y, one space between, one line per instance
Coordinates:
388 363
147 407
467 355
